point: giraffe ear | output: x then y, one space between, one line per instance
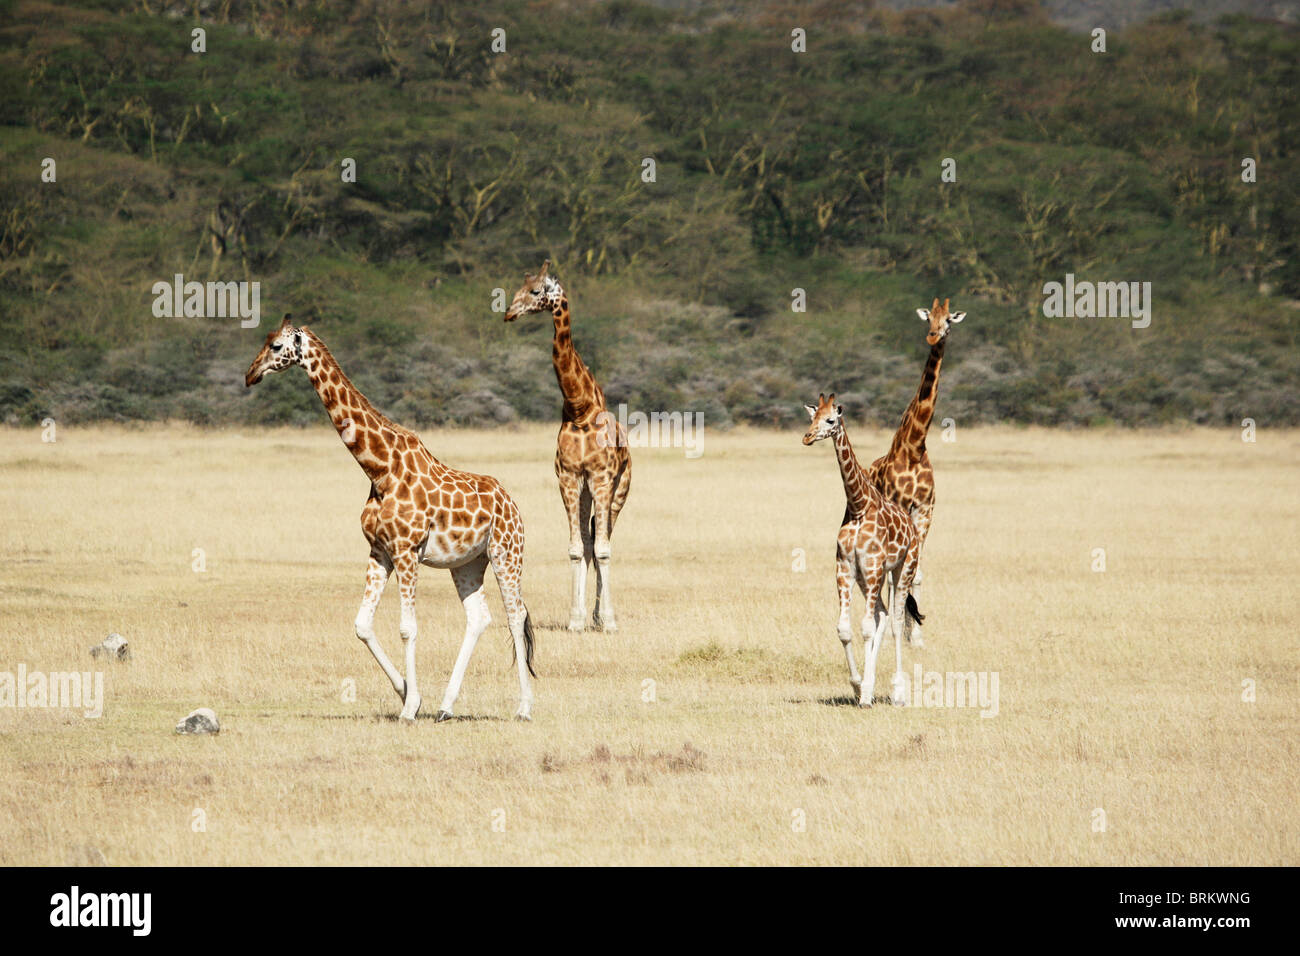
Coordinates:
956 316
924 314
812 412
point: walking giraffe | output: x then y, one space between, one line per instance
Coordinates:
876 538
591 456
419 511
903 474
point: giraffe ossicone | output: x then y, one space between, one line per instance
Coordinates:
595 473
419 511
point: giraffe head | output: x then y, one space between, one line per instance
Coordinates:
540 292
827 419
940 320
283 347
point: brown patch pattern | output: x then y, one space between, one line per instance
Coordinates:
418 510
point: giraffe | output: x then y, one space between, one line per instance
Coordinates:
903 474
876 539
591 456
419 512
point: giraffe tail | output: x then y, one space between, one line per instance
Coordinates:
913 611
529 643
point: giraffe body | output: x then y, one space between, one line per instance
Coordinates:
592 462
903 474
877 541
419 511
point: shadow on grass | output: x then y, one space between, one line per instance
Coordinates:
844 700
395 719
587 628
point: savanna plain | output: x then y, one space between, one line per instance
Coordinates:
1147 691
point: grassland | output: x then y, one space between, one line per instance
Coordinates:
1119 690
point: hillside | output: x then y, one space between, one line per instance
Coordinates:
774 170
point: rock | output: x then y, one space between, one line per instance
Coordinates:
114 648
202 721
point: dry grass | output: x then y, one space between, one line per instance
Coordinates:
1119 690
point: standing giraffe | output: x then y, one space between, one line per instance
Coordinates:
876 538
591 456
903 474
419 511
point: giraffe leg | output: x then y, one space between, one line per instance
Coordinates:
508 566
618 497
898 687
622 484
601 496
844 627
574 492
872 583
921 516
376 577
408 570
469 585
588 555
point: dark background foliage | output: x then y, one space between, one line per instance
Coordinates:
775 171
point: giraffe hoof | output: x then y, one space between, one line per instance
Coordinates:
441 715
864 702
610 628
524 718
898 695
577 626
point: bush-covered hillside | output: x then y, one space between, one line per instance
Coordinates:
775 170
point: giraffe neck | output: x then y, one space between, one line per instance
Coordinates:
368 435
911 433
860 493
582 397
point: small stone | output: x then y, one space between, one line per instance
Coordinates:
114 647
202 721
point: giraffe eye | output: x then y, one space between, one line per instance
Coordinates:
276 347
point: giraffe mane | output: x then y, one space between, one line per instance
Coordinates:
366 406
